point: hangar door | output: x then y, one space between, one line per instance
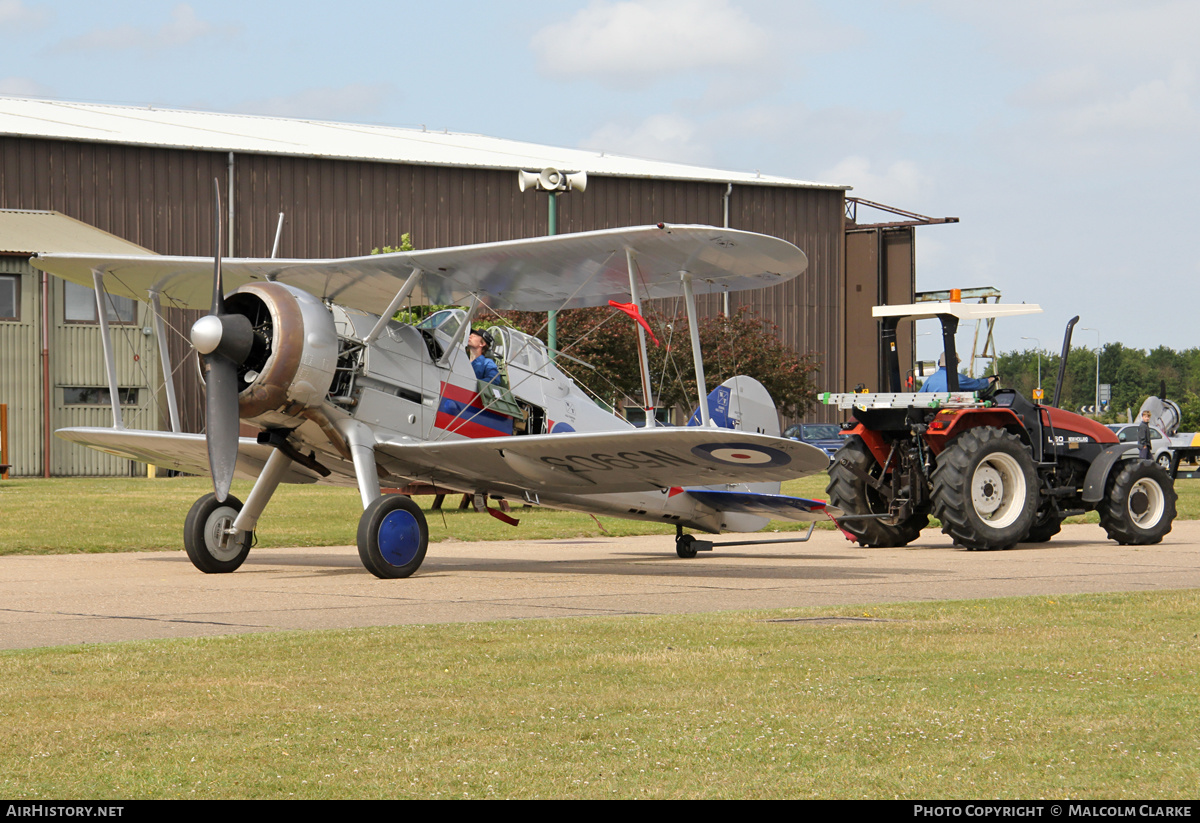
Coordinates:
880 270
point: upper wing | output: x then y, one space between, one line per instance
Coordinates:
623 461
539 274
183 452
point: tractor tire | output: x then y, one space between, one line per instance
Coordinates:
1140 505
1045 525
985 489
850 493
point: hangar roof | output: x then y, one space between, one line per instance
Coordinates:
174 128
28 232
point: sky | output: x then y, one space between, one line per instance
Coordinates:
1064 134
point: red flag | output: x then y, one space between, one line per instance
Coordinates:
633 312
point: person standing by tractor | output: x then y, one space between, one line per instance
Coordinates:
1144 436
937 381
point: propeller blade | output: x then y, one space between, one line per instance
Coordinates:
218 300
221 383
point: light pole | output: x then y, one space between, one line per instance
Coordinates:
553 181
1039 388
1097 406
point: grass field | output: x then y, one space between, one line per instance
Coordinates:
67 515
1067 697
1059 697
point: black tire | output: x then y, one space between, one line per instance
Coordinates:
208 547
852 495
985 490
1164 462
1139 507
685 546
392 537
1047 524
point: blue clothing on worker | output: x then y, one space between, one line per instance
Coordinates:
486 369
937 382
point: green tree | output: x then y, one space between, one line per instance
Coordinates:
606 339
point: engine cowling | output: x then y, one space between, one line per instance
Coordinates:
292 360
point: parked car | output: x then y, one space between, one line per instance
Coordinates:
827 437
1160 446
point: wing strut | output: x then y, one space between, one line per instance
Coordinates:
461 332
643 357
405 291
690 300
110 362
160 336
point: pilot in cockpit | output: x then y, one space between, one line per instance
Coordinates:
478 344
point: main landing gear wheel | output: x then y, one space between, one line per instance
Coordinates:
209 546
985 489
392 537
851 494
1140 505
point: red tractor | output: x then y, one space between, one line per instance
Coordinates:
995 468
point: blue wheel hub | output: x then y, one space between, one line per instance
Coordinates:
399 538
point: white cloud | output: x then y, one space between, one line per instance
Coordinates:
15 16
183 28
636 41
355 100
660 137
901 184
24 87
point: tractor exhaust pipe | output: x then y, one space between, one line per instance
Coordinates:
1062 361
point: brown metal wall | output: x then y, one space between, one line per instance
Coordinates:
163 199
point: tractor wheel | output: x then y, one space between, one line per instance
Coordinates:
1140 505
1047 524
985 490
851 493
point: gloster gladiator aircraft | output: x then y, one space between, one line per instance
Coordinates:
306 352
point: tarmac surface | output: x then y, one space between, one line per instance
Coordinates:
98 598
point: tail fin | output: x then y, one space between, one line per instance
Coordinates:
741 403
744 404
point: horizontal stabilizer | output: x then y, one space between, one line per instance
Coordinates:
767 505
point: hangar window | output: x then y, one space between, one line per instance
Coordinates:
97 396
79 306
10 297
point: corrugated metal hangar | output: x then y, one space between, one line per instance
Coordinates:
145 175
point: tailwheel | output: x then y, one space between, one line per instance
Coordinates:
685 546
392 537
206 536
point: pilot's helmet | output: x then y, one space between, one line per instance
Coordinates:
485 334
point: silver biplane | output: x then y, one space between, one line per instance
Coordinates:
306 352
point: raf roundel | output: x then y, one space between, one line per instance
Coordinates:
742 454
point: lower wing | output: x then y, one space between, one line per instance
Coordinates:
182 452
606 462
